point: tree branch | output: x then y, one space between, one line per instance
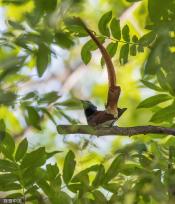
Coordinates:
122 131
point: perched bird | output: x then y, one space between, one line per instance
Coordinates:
99 118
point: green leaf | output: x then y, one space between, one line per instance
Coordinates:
99 197
16 25
50 115
125 33
98 180
133 0
30 95
69 167
75 26
87 48
64 40
15 195
49 97
9 186
111 49
83 175
7 166
147 39
113 198
164 114
49 6
51 154
78 30
103 23
2 130
170 82
135 39
7 98
145 161
21 150
152 64
72 102
112 187
7 146
42 59
52 171
154 100
47 190
33 117
85 56
140 48
34 159
115 28
131 170
161 8
75 187
162 80
114 169
7 178
133 50
123 58
64 198
151 85
16 2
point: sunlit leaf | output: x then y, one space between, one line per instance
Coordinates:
133 50
133 0
147 39
69 166
6 165
123 58
64 198
151 85
162 80
21 150
125 33
49 97
115 28
7 146
114 168
35 158
16 25
112 187
33 117
99 197
7 98
64 40
165 114
98 180
50 115
103 23
154 100
135 39
112 49
30 95
9 186
87 48
42 59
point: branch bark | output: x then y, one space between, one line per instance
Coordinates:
122 131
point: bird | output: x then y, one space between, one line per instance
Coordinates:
95 117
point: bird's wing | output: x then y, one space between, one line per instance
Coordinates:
100 117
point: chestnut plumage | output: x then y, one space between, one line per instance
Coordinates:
96 118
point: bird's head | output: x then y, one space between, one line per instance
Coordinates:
88 105
89 108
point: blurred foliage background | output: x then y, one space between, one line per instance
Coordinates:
43 75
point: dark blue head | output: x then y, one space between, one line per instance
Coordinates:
89 108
